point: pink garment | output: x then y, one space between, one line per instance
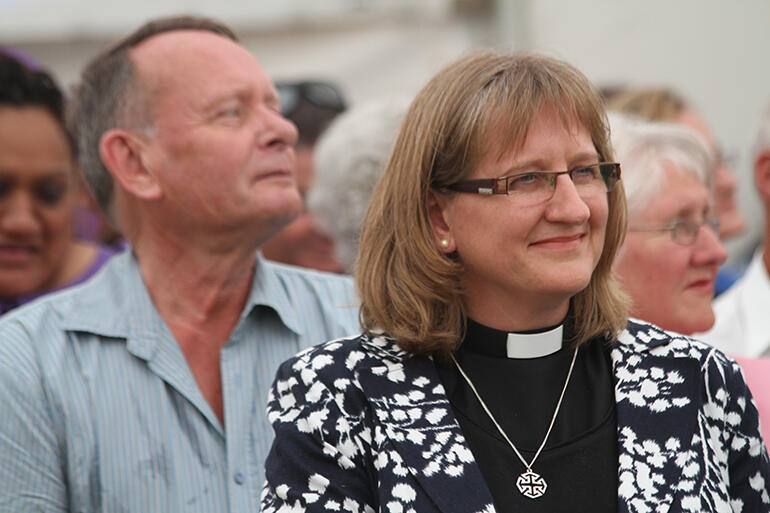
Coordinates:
757 373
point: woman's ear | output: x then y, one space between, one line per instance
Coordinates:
437 210
123 155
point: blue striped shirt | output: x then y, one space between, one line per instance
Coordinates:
99 410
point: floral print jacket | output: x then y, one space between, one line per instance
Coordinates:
363 426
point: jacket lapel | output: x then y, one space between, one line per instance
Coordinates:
415 416
657 401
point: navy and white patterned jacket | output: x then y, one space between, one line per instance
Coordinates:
363 426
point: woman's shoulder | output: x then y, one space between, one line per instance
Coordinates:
346 356
345 375
646 349
641 337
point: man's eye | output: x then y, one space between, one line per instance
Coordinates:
234 112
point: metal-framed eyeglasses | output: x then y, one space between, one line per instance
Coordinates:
683 231
533 187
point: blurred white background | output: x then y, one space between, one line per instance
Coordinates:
715 53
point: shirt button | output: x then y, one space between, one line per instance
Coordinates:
239 478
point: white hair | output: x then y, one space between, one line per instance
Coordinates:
349 157
647 149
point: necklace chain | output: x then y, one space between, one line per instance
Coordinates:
528 466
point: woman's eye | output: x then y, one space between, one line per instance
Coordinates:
50 193
584 174
524 181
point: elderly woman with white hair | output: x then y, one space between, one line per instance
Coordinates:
349 158
672 252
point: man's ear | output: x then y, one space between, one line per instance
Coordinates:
437 211
123 154
762 175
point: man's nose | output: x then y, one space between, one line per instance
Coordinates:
277 131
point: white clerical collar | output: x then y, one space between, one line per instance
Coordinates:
534 345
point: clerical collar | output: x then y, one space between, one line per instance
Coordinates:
530 344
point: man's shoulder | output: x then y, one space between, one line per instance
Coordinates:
89 306
317 304
742 324
311 279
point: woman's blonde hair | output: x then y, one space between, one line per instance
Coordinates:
408 288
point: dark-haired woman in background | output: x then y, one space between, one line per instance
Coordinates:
498 369
39 183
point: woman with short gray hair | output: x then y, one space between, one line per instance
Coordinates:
672 252
349 158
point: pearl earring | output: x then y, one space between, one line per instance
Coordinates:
444 243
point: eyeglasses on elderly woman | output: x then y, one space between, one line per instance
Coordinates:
534 187
683 231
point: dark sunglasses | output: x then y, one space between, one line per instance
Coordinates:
320 94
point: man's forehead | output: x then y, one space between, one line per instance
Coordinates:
197 65
171 49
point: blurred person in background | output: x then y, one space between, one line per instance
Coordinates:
743 313
91 223
661 104
742 327
311 106
350 157
666 105
498 370
144 389
669 260
40 185
672 252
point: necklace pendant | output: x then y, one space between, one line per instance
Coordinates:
531 484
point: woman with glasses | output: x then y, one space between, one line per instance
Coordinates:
672 252
498 370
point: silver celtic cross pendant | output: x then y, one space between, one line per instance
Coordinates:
531 485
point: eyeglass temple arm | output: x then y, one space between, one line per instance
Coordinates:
486 186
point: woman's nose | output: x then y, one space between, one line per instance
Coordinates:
708 247
17 215
566 205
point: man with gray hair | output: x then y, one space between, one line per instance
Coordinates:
742 322
144 389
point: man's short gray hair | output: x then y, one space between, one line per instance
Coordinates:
110 96
349 158
644 148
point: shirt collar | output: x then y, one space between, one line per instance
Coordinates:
755 296
117 304
268 290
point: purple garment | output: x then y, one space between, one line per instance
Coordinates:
104 253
